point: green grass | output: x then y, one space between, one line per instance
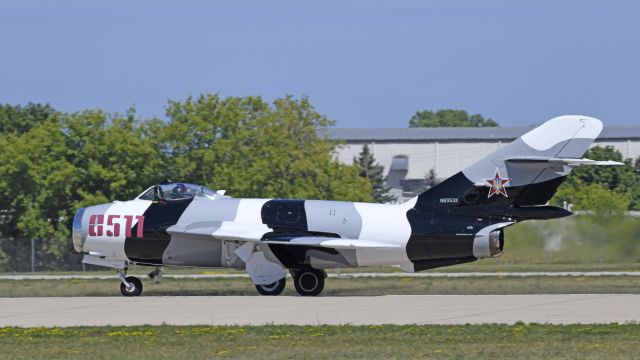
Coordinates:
334 286
519 341
500 265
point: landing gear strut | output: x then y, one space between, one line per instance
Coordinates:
272 289
130 286
309 282
156 274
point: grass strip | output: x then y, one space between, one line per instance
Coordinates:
335 286
325 342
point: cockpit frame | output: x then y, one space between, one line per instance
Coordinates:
177 191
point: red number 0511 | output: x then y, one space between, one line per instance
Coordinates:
98 227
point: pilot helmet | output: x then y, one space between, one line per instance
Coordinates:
179 190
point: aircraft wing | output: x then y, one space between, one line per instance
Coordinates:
231 231
221 230
330 242
319 241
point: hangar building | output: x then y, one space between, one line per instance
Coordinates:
408 154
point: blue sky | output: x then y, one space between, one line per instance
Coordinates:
362 63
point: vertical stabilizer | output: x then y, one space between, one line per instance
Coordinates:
526 172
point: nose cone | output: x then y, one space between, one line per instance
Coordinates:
78 235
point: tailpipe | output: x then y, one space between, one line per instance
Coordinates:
489 242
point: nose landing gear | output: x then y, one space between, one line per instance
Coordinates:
130 286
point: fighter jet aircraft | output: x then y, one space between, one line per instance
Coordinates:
457 221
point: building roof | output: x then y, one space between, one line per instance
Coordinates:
464 134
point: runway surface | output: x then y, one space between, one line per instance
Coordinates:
373 310
344 275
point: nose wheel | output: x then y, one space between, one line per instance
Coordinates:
130 286
309 282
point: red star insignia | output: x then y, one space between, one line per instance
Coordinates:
497 184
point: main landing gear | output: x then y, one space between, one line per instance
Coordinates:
156 274
309 282
272 289
130 286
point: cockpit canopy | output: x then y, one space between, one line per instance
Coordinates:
177 191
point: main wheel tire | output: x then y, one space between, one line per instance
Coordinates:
136 288
309 282
273 288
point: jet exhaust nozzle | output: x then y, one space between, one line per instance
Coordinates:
488 245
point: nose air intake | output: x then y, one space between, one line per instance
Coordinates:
78 236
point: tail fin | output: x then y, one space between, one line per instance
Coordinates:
526 172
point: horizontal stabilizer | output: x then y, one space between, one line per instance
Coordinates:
565 161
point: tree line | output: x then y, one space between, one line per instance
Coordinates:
52 163
604 190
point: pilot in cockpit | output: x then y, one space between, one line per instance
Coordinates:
178 191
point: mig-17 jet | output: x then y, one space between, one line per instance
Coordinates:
460 220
